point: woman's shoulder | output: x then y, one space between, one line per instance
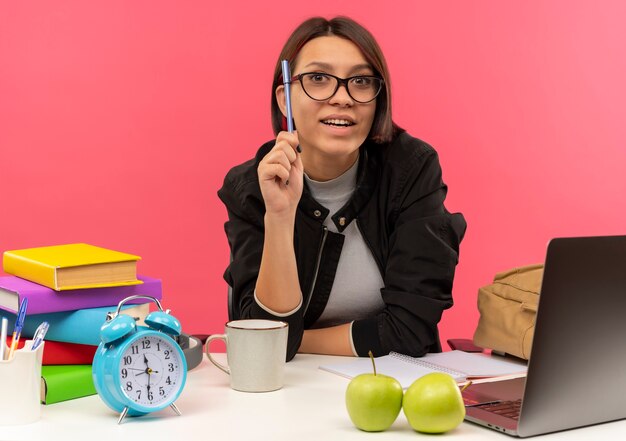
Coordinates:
406 149
406 156
241 183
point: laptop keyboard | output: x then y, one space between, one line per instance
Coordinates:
509 409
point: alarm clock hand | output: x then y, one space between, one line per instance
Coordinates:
148 370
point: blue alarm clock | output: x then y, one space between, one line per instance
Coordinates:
139 369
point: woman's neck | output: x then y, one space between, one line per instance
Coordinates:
324 168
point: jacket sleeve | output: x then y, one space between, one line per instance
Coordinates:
245 232
422 256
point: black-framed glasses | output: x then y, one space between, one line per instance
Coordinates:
323 86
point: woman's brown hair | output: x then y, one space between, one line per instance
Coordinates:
383 128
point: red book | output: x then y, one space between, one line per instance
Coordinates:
57 352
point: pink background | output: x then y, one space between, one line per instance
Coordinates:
119 119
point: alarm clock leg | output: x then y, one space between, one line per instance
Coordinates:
173 406
122 415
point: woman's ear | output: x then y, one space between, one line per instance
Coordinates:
280 99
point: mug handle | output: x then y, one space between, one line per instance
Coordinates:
208 353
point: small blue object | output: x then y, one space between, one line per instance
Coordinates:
139 369
39 335
115 329
164 322
21 316
19 324
287 84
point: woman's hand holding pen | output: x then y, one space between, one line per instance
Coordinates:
281 176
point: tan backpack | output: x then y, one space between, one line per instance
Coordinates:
507 311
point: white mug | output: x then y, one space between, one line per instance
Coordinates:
256 351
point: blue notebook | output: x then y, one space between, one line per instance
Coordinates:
80 326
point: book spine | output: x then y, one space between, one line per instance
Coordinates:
29 269
59 353
82 326
62 383
46 300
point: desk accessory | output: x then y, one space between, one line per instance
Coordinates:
40 334
3 337
72 266
192 348
139 369
256 351
20 381
463 344
460 365
19 324
287 86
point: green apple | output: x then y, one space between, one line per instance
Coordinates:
433 404
373 401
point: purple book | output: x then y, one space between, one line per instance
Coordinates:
42 299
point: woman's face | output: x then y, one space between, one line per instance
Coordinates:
338 126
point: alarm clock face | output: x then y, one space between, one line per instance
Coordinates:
151 371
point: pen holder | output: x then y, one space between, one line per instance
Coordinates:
20 386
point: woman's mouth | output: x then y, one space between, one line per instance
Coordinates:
337 122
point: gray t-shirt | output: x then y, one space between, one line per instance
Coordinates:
355 293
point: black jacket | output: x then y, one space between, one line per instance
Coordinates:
399 210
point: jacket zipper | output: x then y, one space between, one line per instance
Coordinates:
369 245
317 268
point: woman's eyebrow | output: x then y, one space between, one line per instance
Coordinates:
360 67
329 67
319 64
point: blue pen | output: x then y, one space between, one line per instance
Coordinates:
19 324
287 84
40 333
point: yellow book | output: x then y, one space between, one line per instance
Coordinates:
72 266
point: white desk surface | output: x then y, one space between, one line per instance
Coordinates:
309 407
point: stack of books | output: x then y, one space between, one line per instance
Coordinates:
72 287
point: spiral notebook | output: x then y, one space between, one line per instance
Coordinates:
460 365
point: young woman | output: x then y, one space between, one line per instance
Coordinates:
339 228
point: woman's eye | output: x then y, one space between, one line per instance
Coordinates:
362 81
318 78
